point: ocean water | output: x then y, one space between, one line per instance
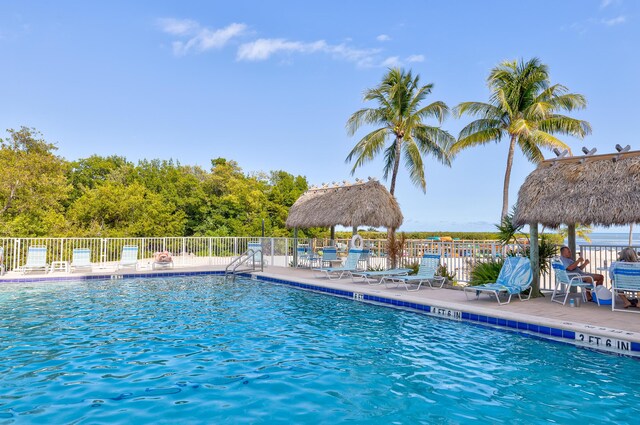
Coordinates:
603 238
202 350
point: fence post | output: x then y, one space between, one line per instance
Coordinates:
210 251
16 254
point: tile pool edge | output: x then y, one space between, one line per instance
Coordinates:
608 340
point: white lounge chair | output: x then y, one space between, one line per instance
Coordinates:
81 259
36 259
626 278
426 274
1 261
129 257
566 280
350 265
376 277
515 277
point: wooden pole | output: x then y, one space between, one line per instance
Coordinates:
355 230
571 239
295 247
333 236
534 256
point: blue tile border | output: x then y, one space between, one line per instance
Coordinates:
528 329
115 275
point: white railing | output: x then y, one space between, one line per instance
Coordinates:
457 255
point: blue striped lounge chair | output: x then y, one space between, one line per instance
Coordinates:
376 277
515 277
129 257
626 278
36 259
566 280
81 259
350 265
426 274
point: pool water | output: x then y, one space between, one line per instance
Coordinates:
202 350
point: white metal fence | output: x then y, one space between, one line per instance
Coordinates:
458 255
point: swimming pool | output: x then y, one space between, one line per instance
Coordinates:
200 349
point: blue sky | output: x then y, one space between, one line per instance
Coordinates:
271 84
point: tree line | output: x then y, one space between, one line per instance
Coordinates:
42 194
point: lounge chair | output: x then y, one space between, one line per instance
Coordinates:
515 277
162 260
1 261
376 277
566 280
36 259
81 259
129 257
350 265
426 273
626 278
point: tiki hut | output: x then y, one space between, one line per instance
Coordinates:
603 190
360 204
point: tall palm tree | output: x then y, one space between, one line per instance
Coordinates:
523 107
400 116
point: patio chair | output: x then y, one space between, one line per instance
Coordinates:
566 280
36 259
329 254
1 261
129 257
303 256
515 277
81 259
350 265
626 278
256 247
426 274
376 277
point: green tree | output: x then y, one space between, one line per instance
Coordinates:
400 115
524 107
87 173
33 186
115 210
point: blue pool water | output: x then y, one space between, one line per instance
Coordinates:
201 350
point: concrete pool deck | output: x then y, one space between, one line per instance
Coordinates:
594 324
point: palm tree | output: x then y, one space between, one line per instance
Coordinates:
400 117
524 107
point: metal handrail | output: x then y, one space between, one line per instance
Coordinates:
249 254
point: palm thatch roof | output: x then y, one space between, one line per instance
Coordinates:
600 189
360 204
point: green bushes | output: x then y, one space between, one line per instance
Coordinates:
485 272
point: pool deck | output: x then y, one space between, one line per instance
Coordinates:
588 319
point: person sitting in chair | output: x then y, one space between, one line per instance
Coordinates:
578 267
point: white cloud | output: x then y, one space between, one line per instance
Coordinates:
605 3
177 26
264 48
383 37
415 58
391 61
198 38
615 21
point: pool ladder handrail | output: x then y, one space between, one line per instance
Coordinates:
249 254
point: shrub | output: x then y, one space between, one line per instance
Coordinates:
485 272
444 272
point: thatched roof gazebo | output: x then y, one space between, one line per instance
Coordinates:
360 204
593 189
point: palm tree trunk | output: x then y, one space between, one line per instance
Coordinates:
396 167
507 178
